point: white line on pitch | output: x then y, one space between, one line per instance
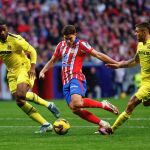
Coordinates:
72 126
74 118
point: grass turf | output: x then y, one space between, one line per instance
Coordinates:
17 130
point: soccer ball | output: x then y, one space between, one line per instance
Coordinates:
61 126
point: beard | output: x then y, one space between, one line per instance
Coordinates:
141 39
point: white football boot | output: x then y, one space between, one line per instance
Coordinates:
45 128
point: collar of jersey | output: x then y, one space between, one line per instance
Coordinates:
76 40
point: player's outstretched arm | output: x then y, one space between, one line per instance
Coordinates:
48 65
125 64
103 57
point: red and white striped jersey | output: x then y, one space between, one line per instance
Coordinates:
72 59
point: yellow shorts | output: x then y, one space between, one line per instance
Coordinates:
17 77
143 94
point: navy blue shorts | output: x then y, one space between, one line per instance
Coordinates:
74 86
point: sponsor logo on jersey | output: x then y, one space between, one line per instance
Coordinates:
74 86
5 52
144 53
86 44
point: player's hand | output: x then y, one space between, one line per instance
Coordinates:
42 75
32 72
116 65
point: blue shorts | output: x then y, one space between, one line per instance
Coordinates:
74 86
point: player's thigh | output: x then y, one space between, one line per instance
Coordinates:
12 82
66 93
74 87
78 87
23 77
76 100
143 94
77 91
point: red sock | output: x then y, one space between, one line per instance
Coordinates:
89 103
86 115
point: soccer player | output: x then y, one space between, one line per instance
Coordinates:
21 75
72 51
141 57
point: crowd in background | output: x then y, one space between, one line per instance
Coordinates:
106 24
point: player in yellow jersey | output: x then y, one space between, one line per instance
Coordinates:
142 57
21 75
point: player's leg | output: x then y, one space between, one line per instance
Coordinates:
30 96
88 116
79 87
140 95
84 114
22 92
90 103
133 102
34 115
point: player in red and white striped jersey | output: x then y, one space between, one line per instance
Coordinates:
72 51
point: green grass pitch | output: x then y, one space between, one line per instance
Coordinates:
17 130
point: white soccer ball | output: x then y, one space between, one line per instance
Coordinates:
61 126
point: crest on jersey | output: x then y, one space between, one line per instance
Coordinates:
9 47
72 50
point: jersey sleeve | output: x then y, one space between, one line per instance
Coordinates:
21 43
25 46
85 47
57 51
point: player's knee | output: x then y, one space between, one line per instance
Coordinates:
77 104
20 103
74 109
20 95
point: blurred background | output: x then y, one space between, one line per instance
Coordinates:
108 25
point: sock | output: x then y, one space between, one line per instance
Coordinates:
120 120
33 113
89 103
86 115
30 96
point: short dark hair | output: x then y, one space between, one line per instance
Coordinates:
3 22
69 29
143 25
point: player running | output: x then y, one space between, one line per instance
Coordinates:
141 57
21 75
72 51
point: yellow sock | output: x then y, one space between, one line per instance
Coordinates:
120 120
30 96
33 113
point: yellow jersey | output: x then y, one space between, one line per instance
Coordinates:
13 52
143 51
